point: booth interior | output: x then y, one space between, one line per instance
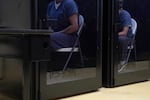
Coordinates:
30 69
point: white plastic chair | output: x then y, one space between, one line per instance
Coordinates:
74 48
131 45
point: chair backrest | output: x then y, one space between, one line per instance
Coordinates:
81 24
134 26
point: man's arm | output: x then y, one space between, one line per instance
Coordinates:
73 27
124 31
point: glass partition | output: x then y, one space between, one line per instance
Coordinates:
131 50
125 46
27 60
76 69
138 54
83 65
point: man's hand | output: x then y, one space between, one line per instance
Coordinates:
122 34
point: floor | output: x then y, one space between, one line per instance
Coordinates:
137 91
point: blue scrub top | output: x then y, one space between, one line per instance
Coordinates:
66 9
125 19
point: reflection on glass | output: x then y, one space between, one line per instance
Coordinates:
70 75
75 70
125 36
19 17
66 66
136 66
135 54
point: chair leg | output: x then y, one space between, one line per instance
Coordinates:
128 55
134 47
68 59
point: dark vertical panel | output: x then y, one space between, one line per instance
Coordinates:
15 13
89 11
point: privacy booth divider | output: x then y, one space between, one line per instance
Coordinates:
137 61
29 69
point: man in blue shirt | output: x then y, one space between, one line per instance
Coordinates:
125 35
65 13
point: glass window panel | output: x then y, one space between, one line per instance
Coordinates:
75 69
138 58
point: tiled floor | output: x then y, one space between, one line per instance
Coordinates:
137 91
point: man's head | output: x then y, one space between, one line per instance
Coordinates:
58 1
120 4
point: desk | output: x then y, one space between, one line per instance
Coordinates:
30 36
26 71
19 53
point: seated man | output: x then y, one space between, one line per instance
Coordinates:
65 13
125 35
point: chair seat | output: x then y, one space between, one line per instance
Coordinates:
76 49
